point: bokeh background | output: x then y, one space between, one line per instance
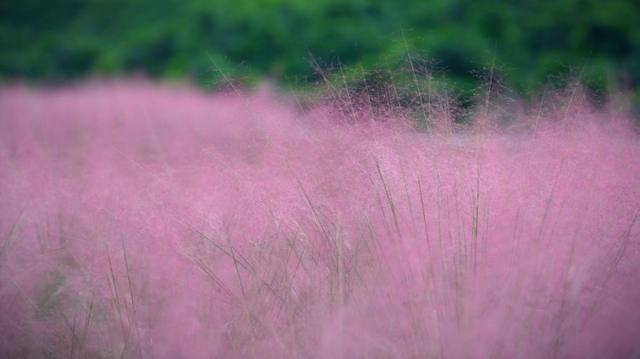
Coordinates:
526 44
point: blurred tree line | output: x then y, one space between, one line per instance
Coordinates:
526 43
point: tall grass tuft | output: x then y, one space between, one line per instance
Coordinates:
155 221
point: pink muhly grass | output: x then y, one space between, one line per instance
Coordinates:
140 220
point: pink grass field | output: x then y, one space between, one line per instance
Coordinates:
155 221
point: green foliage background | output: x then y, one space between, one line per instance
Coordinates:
529 43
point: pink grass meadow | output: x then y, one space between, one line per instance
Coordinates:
149 221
